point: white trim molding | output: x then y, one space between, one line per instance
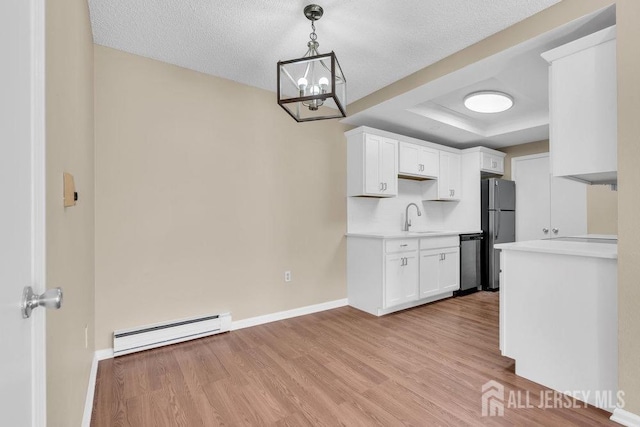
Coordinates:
38 177
104 354
287 314
625 418
107 353
91 389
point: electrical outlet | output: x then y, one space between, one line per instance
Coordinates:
287 276
86 336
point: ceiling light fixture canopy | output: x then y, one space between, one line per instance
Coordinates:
312 87
488 101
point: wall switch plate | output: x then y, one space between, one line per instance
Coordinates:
70 195
287 276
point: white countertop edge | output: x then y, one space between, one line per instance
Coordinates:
410 234
591 250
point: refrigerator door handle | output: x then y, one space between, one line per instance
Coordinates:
497 224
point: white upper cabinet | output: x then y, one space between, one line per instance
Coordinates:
491 163
418 162
583 108
372 166
448 186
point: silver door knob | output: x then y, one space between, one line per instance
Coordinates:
555 230
545 230
50 299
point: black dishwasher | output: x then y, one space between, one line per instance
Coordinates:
470 276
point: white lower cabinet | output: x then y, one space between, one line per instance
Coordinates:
387 275
439 271
401 278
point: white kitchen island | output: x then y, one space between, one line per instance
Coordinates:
559 315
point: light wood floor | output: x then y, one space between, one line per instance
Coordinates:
423 366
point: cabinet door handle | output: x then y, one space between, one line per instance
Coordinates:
403 245
545 230
444 257
555 230
381 186
453 193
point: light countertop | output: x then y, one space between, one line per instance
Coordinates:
410 234
560 247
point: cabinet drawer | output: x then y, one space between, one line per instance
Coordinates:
401 245
439 242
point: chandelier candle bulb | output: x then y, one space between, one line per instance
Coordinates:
302 84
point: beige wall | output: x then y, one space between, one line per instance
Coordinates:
522 150
70 231
206 192
602 210
602 203
628 34
628 16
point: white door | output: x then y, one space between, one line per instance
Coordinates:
408 162
22 391
449 272
454 176
389 166
429 276
533 203
547 206
430 162
372 180
444 187
568 207
401 278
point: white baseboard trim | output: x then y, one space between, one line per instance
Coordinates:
91 388
105 353
288 314
625 418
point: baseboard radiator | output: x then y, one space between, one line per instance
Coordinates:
127 341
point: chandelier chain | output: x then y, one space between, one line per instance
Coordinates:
313 35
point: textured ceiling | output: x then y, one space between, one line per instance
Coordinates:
377 42
435 110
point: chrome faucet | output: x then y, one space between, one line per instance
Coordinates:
407 221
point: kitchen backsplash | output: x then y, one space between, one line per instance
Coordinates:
385 215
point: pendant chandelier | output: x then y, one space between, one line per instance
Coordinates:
312 87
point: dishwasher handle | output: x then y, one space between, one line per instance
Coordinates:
468 237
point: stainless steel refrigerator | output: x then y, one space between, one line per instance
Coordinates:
498 216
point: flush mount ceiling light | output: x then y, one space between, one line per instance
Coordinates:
488 102
312 87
